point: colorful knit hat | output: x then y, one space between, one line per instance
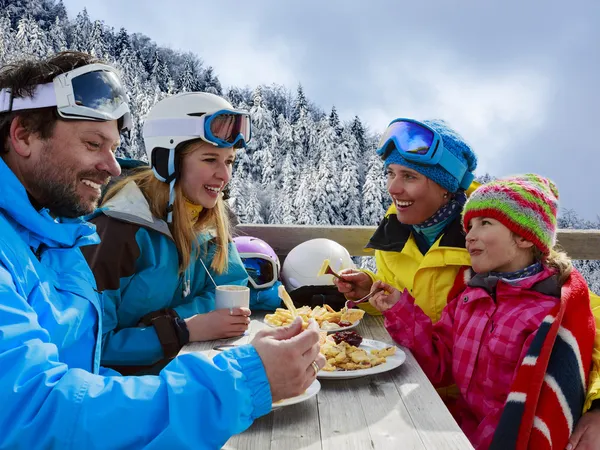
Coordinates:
526 204
454 143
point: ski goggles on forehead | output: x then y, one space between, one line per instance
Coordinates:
223 129
418 143
262 271
91 92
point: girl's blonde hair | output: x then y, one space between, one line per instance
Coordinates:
557 259
183 230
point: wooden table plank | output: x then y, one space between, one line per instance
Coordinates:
436 427
258 436
297 426
389 422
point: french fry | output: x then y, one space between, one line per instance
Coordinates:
287 301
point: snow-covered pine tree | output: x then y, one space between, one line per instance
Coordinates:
58 36
304 204
121 43
350 200
359 133
305 139
30 39
285 146
210 83
7 44
374 200
81 32
160 73
98 46
300 105
188 79
326 189
284 211
251 204
334 121
259 147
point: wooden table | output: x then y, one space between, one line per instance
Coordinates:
398 409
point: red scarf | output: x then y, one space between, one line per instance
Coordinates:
549 389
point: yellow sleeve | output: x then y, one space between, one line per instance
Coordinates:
594 382
383 274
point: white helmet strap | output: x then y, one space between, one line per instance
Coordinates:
166 171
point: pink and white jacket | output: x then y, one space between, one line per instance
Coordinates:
479 342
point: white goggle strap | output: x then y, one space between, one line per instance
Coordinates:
44 96
183 126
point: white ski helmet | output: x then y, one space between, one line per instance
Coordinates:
186 117
302 264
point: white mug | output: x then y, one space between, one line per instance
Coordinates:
231 296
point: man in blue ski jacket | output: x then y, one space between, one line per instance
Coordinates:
60 122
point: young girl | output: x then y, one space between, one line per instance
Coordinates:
518 339
165 236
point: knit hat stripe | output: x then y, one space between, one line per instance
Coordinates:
525 198
518 212
527 192
525 204
506 220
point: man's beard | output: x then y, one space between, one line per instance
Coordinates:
56 188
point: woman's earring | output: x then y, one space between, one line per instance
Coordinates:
446 195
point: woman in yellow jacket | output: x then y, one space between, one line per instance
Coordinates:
420 245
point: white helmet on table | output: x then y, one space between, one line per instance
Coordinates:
302 264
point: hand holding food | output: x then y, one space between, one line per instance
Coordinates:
291 358
353 283
386 298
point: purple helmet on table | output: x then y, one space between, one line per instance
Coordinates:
260 260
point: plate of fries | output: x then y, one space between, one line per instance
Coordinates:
312 390
345 361
327 318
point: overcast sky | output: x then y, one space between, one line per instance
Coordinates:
519 79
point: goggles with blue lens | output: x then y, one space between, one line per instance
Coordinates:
90 92
223 129
418 143
262 271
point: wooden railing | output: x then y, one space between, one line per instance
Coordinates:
579 244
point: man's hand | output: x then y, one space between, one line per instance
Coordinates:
218 324
287 354
587 432
354 283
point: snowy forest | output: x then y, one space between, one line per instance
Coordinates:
302 166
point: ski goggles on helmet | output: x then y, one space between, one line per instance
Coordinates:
262 270
91 92
224 128
418 143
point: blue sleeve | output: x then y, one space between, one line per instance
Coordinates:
193 403
265 299
139 293
204 302
137 346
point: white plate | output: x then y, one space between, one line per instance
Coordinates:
354 325
312 390
368 344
